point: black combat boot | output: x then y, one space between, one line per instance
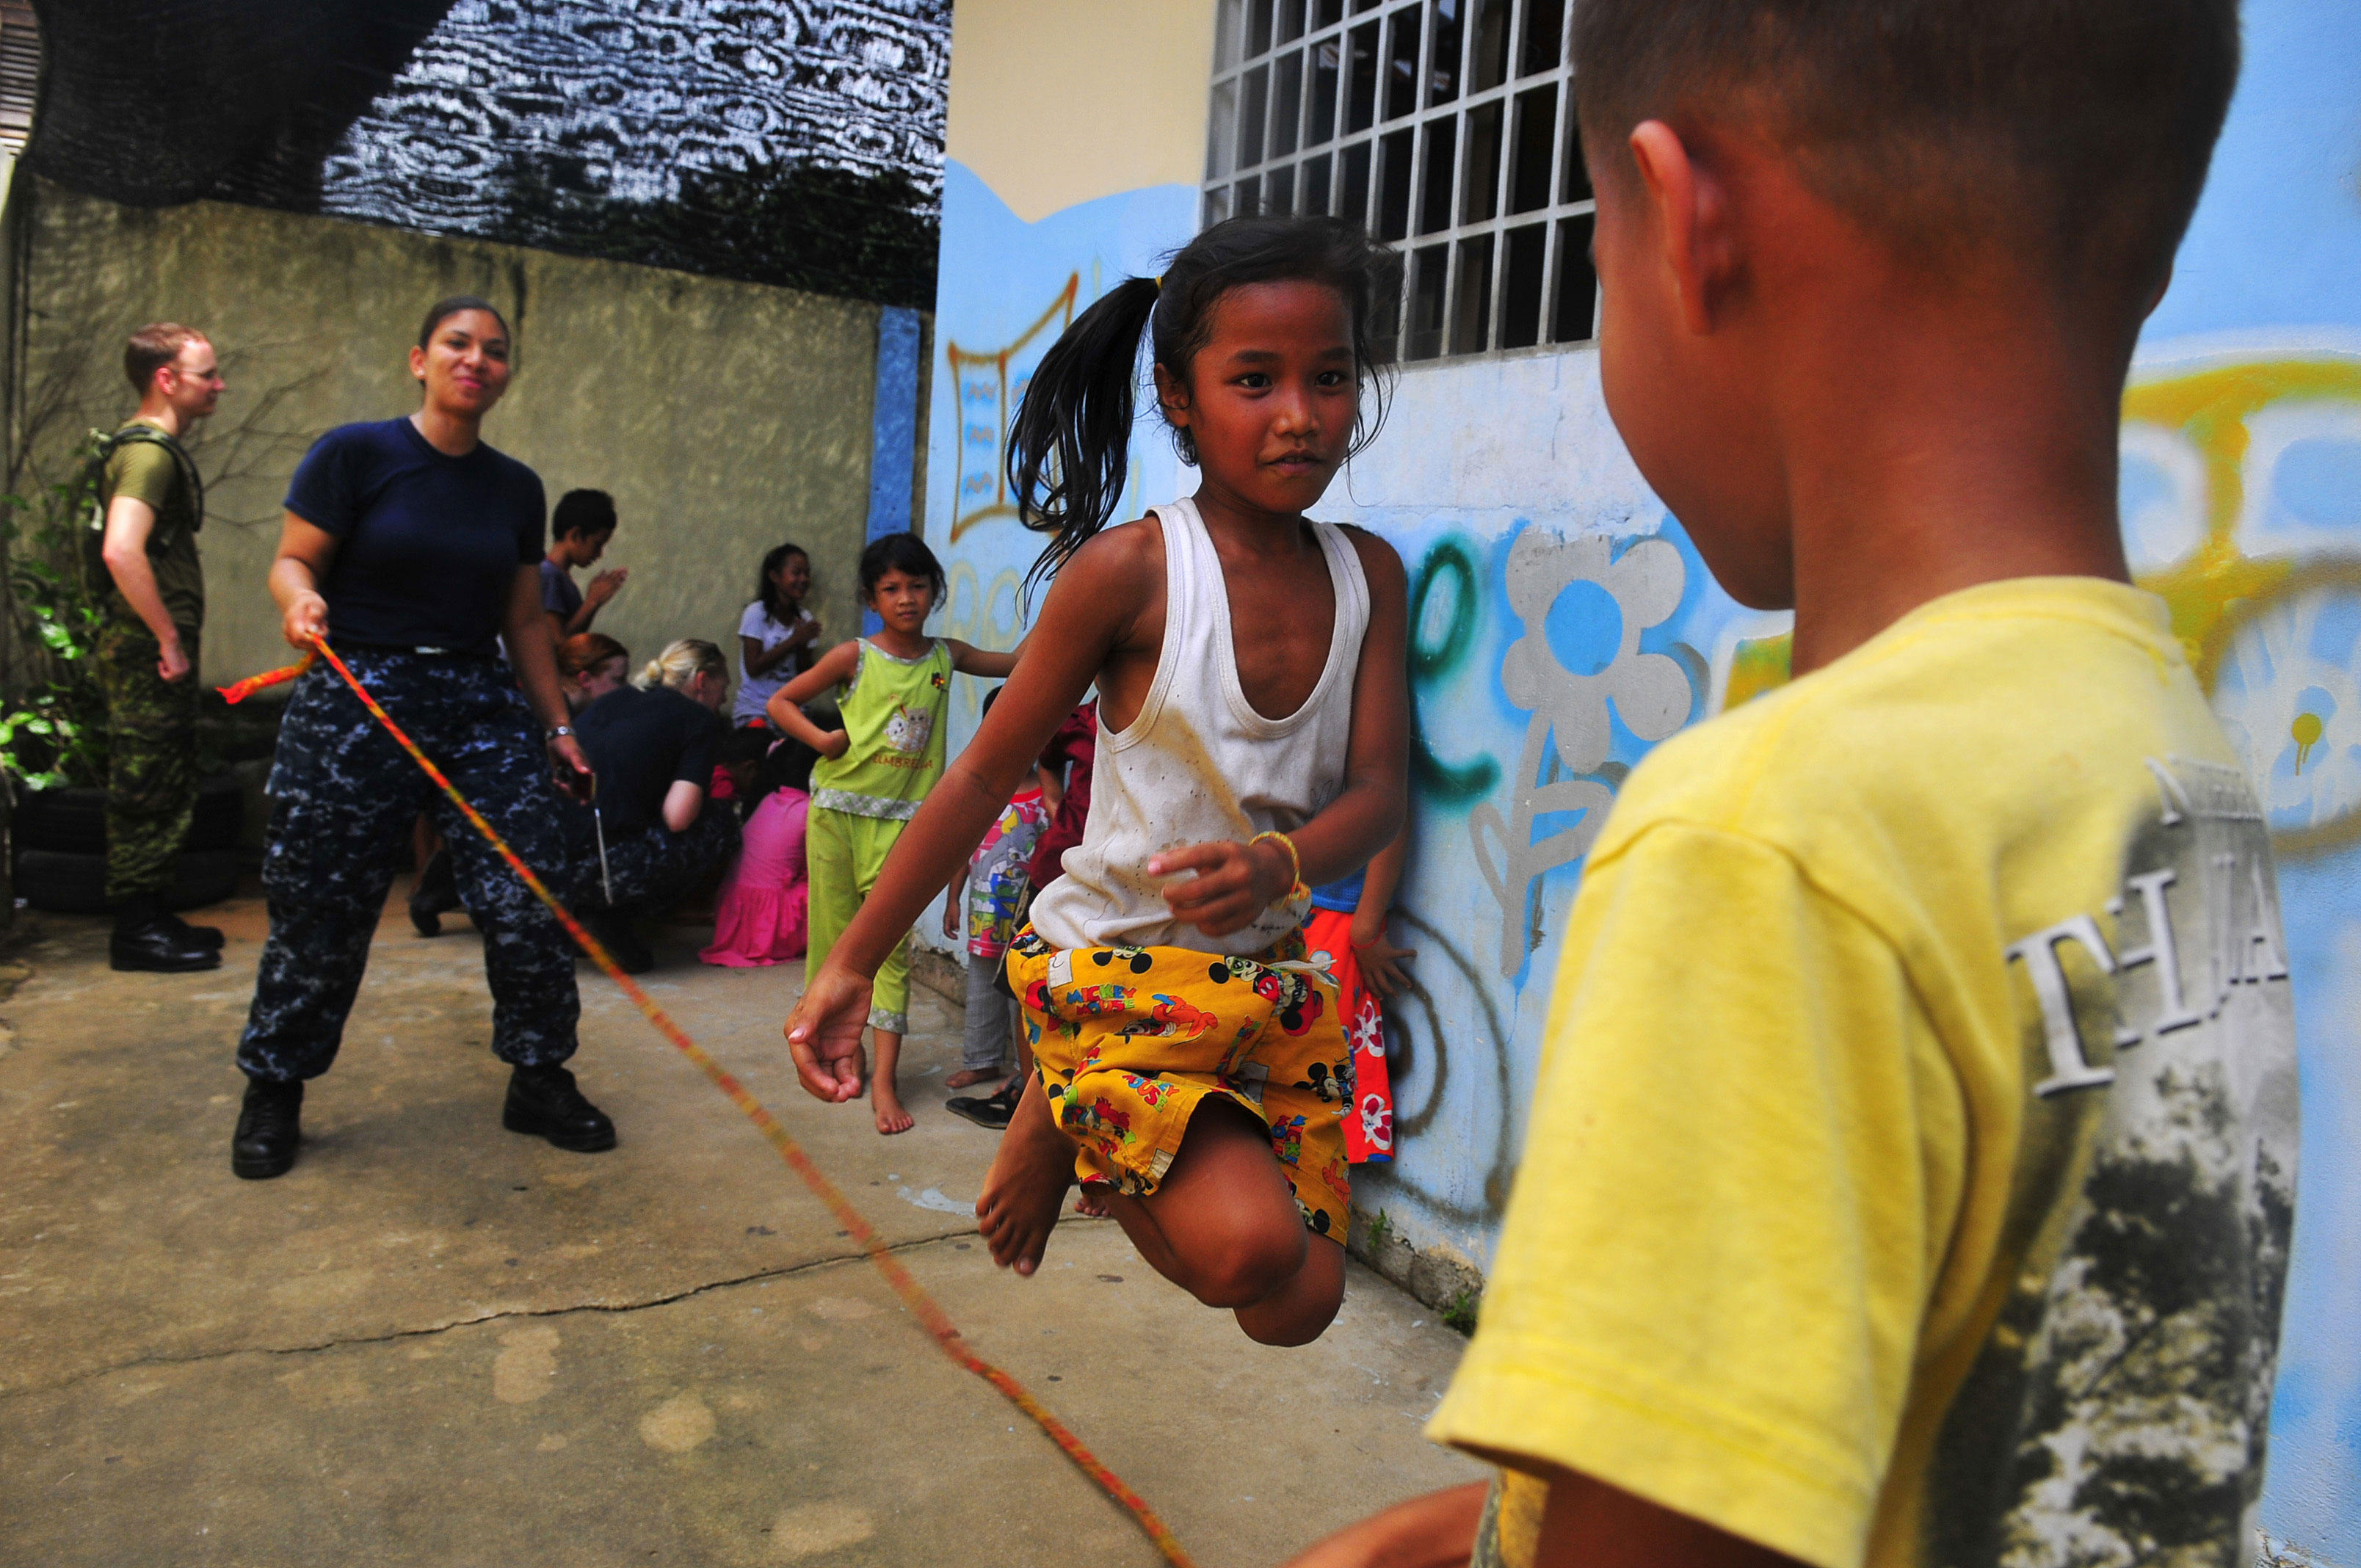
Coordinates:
206 937
543 1101
145 939
264 1145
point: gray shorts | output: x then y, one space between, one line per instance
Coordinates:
990 1016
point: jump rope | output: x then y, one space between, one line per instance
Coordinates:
924 1307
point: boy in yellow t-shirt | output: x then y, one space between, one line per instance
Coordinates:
1910 1169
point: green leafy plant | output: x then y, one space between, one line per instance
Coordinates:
1462 1311
1380 1229
54 732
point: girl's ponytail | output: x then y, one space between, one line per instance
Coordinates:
1069 448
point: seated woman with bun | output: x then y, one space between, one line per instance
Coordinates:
654 746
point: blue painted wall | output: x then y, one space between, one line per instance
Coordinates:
1542 671
894 438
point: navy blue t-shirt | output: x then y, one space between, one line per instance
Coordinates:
427 545
642 742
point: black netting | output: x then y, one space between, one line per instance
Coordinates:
797 142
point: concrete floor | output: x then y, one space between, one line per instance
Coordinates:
437 1343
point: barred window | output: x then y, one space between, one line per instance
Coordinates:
1446 127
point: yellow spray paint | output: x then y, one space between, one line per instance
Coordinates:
2305 732
2217 589
2209 408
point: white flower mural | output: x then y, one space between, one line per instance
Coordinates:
1652 693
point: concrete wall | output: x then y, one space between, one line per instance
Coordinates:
2242 495
723 417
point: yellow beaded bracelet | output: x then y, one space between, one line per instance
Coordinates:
1299 893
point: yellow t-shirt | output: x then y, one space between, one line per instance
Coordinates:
1911 1165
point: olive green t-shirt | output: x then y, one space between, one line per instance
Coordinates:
147 471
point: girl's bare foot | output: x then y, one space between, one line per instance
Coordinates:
1027 1185
1091 1200
968 1076
891 1117
884 1088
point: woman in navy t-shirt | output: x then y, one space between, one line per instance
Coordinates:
415 549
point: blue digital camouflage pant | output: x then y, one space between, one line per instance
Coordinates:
343 797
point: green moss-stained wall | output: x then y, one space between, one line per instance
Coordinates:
722 417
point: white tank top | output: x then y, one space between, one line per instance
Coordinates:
1199 763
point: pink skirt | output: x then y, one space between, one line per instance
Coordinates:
764 913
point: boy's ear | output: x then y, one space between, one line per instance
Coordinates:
1694 228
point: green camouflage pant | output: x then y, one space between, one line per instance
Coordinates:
152 786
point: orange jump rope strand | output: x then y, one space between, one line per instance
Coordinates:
922 1305
239 691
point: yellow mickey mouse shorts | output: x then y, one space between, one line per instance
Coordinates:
1130 1041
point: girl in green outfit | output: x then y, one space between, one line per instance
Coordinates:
894 693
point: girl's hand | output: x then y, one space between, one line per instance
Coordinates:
1381 961
838 743
306 617
605 586
570 769
804 631
824 1033
1234 884
950 916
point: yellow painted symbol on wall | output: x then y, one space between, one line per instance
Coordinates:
988 387
2267 626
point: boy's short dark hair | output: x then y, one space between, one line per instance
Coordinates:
582 512
2082 128
153 347
899 552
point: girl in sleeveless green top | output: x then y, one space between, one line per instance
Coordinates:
894 694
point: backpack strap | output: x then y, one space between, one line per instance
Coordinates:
159 539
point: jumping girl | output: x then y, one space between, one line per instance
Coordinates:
1253 737
892 694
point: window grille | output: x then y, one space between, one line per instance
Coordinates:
1446 126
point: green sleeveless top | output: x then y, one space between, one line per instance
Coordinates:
894 712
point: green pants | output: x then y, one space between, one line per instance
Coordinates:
843 855
151 783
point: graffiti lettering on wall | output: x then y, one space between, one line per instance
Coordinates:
1449 569
1565 672
1422 1061
2241 491
989 386
2243 485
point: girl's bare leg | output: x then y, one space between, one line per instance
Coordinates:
1224 1227
884 1094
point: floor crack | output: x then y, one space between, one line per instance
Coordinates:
813 1265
